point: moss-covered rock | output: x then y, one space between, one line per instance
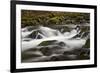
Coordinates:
34 18
46 43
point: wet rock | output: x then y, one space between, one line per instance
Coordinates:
46 51
61 44
26 56
85 54
33 35
59 58
54 58
39 37
67 53
56 49
45 43
87 44
77 54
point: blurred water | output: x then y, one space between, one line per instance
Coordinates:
57 43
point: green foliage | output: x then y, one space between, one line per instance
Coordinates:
34 18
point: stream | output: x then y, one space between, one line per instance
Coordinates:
58 43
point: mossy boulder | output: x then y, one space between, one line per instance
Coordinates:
45 18
46 43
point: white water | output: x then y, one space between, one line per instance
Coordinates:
49 34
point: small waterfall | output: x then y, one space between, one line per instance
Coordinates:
49 32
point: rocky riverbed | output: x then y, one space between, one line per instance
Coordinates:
56 49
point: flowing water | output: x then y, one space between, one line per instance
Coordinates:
58 43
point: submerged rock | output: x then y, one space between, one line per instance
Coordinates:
72 57
61 44
26 56
46 51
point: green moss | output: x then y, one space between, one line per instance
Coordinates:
45 43
34 18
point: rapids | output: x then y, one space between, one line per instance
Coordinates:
64 39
